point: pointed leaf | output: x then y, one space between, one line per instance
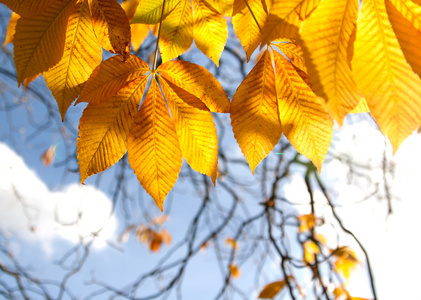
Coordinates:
177 31
388 83
254 113
10 32
110 76
39 42
195 130
149 12
129 8
28 8
154 151
362 107
104 129
286 17
272 289
197 81
294 53
405 17
210 30
249 16
82 54
325 46
111 26
305 123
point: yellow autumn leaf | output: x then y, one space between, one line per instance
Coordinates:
286 17
110 76
387 81
254 113
111 26
177 31
305 123
195 128
39 42
104 128
154 151
249 16
139 33
405 17
129 8
210 30
81 56
197 81
310 251
294 53
28 8
325 45
149 11
224 7
306 222
346 261
235 271
272 289
10 32
362 107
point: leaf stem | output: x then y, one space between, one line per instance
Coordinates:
254 17
157 38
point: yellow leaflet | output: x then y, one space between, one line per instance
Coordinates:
104 128
82 54
10 32
139 33
325 46
362 107
177 31
39 41
195 130
28 8
310 251
307 222
305 123
149 11
388 83
249 16
224 7
110 76
346 261
405 17
294 53
254 114
111 26
130 7
286 17
272 289
197 81
154 150
210 30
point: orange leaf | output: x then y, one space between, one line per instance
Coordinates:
48 156
254 113
235 271
28 8
10 32
307 222
111 26
272 289
231 242
154 151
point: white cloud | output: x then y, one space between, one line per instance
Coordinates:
32 212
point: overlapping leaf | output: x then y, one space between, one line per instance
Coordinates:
249 17
28 8
81 55
286 17
150 11
11 28
391 88
326 55
39 42
111 26
254 113
305 122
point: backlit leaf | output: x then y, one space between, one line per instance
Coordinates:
224 7
39 42
210 30
235 271
388 83
139 33
254 113
305 123
110 76
286 17
111 26
82 54
310 251
294 53
272 289
307 222
249 16
325 45
104 128
149 11
177 31
362 107
195 130
10 32
28 8
405 17
154 150
197 81
346 261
